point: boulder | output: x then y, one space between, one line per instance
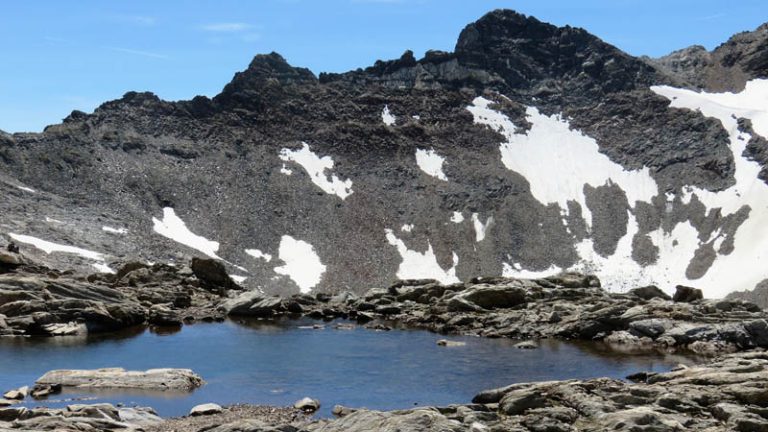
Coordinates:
17 394
649 292
527 345
212 274
450 343
152 379
206 409
686 294
41 391
161 315
308 405
484 296
252 303
574 280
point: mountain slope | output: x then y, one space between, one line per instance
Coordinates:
529 149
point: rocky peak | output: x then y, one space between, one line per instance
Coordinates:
726 68
268 69
528 53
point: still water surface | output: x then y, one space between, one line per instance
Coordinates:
280 362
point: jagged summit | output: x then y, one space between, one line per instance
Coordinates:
728 67
531 148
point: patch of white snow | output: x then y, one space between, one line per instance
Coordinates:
172 227
316 167
302 264
431 163
421 265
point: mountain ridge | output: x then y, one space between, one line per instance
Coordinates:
392 171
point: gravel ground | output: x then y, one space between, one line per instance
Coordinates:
267 414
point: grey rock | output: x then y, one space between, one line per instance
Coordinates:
687 294
152 379
307 405
205 409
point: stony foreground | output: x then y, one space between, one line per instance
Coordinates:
729 393
569 306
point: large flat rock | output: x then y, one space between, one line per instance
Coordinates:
152 379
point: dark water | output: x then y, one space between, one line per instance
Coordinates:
279 363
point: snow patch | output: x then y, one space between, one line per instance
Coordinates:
387 117
50 220
238 279
103 268
172 227
49 247
418 265
431 163
457 217
302 264
316 167
517 271
285 170
407 228
744 268
573 159
258 254
26 189
112 230
481 228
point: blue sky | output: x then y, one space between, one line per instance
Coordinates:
64 55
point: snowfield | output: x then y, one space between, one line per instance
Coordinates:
316 167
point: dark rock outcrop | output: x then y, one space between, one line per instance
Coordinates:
124 163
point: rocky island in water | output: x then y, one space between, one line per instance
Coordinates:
536 191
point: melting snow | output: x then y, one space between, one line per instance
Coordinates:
316 167
481 228
114 230
387 117
517 271
745 266
302 264
418 265
256 253
431 163
103 268
572 159
175 229
238 279
457 217
49 247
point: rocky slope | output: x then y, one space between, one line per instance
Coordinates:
529 150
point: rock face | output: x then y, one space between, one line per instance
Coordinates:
759 295
152 379
35 300
99 417
727 67
432 168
